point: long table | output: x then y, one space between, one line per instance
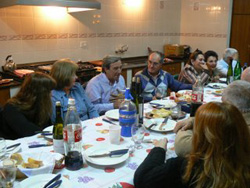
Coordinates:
96 133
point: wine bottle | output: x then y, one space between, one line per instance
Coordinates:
140 100
230 72
58 131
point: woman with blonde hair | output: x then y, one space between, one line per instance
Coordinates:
30 110
219 157
64 72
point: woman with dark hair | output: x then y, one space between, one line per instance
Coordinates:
211 58
64 72
30 110
219 156
195 66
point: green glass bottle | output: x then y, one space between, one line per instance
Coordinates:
139 100
230 72
58 131
237 71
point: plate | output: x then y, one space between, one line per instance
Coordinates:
12 150
168 127
223 79
5 81
185 91
218 92
162 103
113 114
50 130
217 85
184 95
48 159
105 161
39 181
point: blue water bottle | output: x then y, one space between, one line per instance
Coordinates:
127 114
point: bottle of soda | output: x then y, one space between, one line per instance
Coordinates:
230 72
72 134
245 66
237 71
58 131
197 96
140 100
127 115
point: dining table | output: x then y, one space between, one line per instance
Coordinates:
96 133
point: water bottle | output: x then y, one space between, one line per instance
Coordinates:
197 96
58 144
127 115
72 134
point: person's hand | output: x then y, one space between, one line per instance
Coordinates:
184 125
117 103
154 98
167 60
162 143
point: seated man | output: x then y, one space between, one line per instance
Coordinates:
222 64
246 74
237 93
104 89
153 77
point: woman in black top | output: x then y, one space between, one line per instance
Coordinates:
30 109
219 157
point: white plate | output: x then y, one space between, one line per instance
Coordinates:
165 103
223 79
105 161
48 159
168 127
185 92
217 85
50 129
39 181
113 114
11 150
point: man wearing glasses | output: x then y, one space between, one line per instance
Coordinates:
154 78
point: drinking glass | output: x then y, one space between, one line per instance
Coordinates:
7 173
138 133
176 112
2 147
160 93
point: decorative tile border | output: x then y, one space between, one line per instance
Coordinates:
107 35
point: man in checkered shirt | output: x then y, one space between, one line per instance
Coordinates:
153 77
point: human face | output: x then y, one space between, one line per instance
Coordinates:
211 62
197 63
114 71
154 65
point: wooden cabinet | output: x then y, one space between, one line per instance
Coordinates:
173 68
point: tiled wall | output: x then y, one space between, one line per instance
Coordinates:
31 36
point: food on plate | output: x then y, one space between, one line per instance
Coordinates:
219 91
187 96
158 113
32 163
17 158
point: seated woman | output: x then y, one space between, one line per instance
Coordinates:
30 109
211 58
194 67
64 72
219 157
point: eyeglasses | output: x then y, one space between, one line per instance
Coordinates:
155 64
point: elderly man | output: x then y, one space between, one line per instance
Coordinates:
246 74
153 77
237 93
104 89
222 65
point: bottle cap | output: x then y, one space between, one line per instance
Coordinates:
71 101
58 103
127 94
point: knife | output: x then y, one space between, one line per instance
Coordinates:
156 104
115 153
39 145
163 123
14 145
57 177
108 121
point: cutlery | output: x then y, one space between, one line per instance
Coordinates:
108 121
53 181
156 105
42 132
39 145
115 153
56 184
163 123
147 141
152 125
12 146
46 134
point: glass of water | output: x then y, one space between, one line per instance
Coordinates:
138 133
160 93
2 147
7 173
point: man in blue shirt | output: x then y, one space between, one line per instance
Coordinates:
105 90
153 77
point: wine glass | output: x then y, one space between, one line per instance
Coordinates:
138 133
160 92
175 112
7 173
